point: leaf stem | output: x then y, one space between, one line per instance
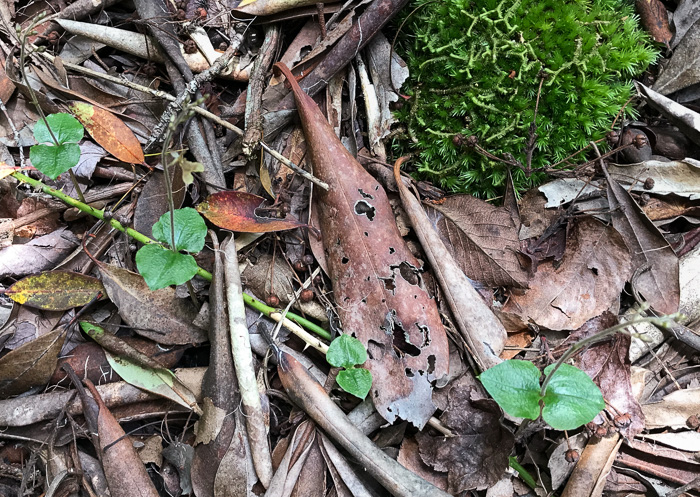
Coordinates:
140 237
35 101
600 336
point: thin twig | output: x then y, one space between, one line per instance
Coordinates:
199 110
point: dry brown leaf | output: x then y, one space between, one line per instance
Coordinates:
589 278
219 452
482 239
376 280
659 285
125 473
158 315
32 364
654 18
483 334
477 456
608 365
38 255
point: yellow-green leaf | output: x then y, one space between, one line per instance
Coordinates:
159 381
55 290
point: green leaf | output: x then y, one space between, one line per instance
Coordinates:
53 161
91 330
158 381
515 385
66 129
356 381
571 399
190 230
161 267
346 351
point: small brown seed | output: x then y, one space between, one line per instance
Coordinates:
273 300
623 420
306 295
571 455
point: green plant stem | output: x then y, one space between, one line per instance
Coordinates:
140 237
522 472
35 101
168 185
600 336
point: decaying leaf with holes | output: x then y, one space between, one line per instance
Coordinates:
376 280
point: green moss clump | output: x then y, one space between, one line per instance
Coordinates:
476 67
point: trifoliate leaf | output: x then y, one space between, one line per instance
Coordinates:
190 230
515 385
571 399
161 267
346 351
356 381
66 129
54 161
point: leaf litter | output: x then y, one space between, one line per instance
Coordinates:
552 270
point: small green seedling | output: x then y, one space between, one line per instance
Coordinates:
62 152
162 267
569 399
347 352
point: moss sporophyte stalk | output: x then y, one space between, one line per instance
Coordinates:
476 67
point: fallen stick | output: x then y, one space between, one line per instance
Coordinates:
309 395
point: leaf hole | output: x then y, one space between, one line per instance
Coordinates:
409 373
364 208
344 260
365 195
431 363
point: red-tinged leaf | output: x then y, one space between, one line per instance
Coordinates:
236 211
109 131
376 279
55 290
124 471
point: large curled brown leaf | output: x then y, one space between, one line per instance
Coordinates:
589 278
158 315
482 238
376 280
659 285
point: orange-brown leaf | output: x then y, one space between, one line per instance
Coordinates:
109 131
236 211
